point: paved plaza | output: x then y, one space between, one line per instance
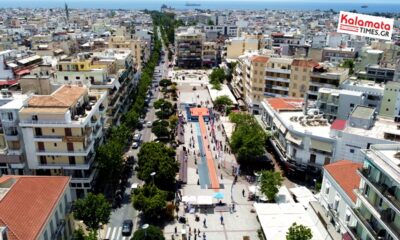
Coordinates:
237 224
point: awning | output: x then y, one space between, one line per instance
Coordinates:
204 200
279 125
189 199
23 72
294 139
322 146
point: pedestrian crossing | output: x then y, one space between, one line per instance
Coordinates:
114 233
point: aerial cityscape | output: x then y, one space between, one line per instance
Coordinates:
195 120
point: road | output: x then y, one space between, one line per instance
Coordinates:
113 230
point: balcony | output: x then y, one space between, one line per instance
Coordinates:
277 79
365 223
381 189
74 138
59 231
86 165
280 88
278 70
48 138
82 152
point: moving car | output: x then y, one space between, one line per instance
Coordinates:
127 226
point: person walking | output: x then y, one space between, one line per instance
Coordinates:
204 223
222 220
243 192
176 230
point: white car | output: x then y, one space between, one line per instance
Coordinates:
135 145
149 124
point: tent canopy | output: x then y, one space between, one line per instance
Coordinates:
204 200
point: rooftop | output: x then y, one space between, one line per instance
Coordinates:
64 97
386 156
28 203
315 125
344 173
285 104
304 63
259 59
363 112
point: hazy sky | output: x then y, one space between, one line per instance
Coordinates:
199 1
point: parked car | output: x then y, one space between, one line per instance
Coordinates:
135 145
149 124
127 226
137 137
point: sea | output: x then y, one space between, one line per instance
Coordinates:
213 5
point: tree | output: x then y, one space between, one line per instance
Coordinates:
222 101
217 77
151 233
248 139
132 118
166 108
92 210
173 121
79 234
156 157
298 232
165 83
210 22
160 129
270 183
151 201
348 63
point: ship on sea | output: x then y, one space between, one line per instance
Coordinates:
364 6
192 4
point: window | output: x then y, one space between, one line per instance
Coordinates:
351 150
66 78
72 160
336 204
312 158
351 105
34 117
348 215
82 66
327 160
52 130
327 187
43 160
78 78
10 116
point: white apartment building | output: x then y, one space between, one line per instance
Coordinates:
12 150
377 210
337 196
64 129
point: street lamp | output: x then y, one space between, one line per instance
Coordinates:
144 227
255 192
152 176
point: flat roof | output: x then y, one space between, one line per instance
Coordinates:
65 96
377 131
214 93
14 104
363 112
316 130
275 219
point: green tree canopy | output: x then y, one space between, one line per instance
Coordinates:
165 83
151 201
248 138
348 63
92 210
156 157
151 233
217 77
222 101
270 183
160 129
166 108
299 232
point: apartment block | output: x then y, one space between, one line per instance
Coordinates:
372 91
236 47
36 207
300 76
189 48
337 196
12 150
110 70
377 210
210 54
64 130
327 77
391 103
338 103
140 48
377 73
289 44
337 55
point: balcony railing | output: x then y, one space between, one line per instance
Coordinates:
365 222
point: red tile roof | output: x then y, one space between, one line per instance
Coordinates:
339 124
260 59
27 205
344 173
304 63
287 104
